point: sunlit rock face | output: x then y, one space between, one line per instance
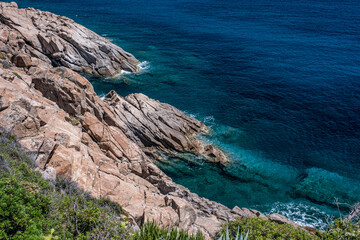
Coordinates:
60 41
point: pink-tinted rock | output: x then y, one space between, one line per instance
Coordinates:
275 217
63 42
23 60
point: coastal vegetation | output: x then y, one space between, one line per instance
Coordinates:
151 231
259 228
34 208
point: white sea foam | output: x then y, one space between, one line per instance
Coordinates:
302 214
102 96
209 120
144 66
190 115
123 72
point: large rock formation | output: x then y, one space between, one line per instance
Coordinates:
107 147
59 41
160 126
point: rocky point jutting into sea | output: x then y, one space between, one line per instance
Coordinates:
107 147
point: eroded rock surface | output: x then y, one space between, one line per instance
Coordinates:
107 147
153 124
59 41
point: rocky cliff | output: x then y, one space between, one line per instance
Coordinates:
49 39
106 146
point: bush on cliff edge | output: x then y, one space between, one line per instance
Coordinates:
32 208
260 228
151 231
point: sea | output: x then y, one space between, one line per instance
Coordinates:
277 81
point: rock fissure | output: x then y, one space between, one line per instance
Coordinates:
50 156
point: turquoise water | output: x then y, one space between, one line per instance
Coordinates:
278 82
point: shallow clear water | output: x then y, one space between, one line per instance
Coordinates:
278 82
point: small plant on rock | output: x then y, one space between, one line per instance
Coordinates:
151 231
6 64
75 121
17 75
238 237
2 55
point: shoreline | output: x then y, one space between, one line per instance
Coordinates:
61 119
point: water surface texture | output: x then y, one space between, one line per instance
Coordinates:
278 82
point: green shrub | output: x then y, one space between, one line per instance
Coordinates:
151 231
342 229
32 208
2 55
260 228
264 229
23 209
84 217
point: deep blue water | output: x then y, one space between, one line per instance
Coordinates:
278 82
